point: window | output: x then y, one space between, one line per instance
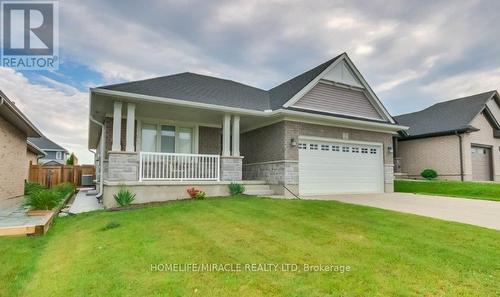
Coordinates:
355 149
148 138
313 146
58 155
302 146
325 147
364 150
185 140
345 149
167 139
373 151
335 148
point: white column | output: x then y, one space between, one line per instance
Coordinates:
226 136
236 136
117 127
130 127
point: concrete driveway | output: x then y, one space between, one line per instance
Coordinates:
470 211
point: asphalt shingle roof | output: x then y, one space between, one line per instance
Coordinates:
45 144
445 116
211 90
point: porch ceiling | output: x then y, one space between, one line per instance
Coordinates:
101 106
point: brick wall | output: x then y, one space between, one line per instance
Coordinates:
263 144
12 160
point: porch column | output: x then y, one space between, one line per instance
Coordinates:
117 126
226 136
236 136
130 127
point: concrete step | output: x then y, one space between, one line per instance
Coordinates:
260 192
253 187
253 182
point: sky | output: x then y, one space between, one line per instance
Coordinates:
412 53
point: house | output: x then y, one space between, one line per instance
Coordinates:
14 130
322 132
54 153
460 139
33 153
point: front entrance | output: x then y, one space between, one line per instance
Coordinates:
337 166
481 163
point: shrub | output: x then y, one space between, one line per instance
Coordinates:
429 174
32 187
64 188
200 195
43 199
236 188
124 196
196 193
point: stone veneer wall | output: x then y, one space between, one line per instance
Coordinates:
123 166
231 168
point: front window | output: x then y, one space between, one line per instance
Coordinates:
185 140
167 144
58 155
148 138
167 138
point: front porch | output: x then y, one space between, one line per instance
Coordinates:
141 147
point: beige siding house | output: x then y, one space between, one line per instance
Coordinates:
460 139
321 132
14 130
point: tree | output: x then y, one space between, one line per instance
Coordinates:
71 159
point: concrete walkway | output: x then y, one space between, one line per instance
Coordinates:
13 214
470 211
84 202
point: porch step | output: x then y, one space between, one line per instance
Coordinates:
260 192
253 182
258 189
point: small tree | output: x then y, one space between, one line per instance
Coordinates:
429 174
71 159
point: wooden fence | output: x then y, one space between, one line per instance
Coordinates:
52 175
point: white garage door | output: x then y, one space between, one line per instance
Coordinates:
327 167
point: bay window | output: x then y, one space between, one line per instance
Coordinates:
168 138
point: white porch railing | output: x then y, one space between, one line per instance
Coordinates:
181 167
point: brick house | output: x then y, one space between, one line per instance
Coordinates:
321 132
14 150
459 138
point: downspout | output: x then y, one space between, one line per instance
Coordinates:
101 157
461 155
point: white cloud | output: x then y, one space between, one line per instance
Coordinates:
58 110
464 84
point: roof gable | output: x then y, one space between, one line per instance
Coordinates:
343 74
445 117
46 144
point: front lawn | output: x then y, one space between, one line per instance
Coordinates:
474 190
389 253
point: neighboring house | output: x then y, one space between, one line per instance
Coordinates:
460 139
33 153
14 130
322 132
54 153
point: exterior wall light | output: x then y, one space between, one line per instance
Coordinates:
293 142
390 149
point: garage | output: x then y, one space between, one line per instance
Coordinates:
338 166
481 163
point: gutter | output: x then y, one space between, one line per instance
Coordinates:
101 157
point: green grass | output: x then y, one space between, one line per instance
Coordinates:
474 190
110 253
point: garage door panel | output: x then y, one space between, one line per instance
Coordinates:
327 167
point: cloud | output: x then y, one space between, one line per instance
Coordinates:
59 111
